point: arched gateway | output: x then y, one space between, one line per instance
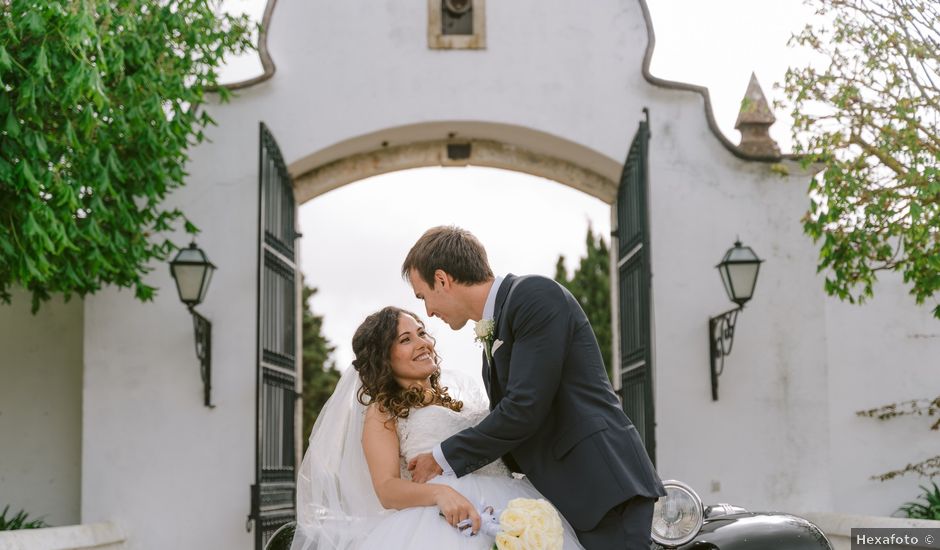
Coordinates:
457 143
401 148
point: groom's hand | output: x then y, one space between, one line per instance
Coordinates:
423 467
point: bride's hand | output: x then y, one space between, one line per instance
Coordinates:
456 508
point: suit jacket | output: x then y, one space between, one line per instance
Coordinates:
553 410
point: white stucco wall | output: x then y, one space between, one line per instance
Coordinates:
171 472
40 408
885 351
174 474
354 68
756 445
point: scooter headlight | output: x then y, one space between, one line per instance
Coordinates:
678 516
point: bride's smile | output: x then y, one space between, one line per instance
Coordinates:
412 356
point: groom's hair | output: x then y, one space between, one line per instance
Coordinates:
452 249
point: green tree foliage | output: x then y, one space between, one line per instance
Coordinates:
319 378
99 101
590 285
871 117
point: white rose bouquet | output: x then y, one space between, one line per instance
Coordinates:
528 524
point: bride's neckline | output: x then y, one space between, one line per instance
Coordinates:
434 405
437 406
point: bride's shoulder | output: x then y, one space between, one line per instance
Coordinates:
374 413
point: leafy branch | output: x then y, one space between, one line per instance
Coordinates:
871 115
100 102
915 407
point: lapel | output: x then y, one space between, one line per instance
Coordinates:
501 295
489 373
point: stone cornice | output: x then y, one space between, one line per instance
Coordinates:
703 91
268 67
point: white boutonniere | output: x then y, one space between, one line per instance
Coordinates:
484 331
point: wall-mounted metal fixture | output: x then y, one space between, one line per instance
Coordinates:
456 24
458 151
192 272
738 271
457 17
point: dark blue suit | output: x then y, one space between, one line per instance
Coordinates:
553 412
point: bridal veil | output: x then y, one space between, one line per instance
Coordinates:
336 503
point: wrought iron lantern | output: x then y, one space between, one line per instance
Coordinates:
192 271
738 269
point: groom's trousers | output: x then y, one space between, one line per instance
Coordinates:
625 526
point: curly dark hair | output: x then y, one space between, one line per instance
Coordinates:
372 344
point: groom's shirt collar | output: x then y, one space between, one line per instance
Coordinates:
490 305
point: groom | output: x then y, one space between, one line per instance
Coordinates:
554 415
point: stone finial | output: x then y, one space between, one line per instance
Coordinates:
754 122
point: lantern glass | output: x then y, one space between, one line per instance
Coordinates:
726 280
739 269
192 271
210 269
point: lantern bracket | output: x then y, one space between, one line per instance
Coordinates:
720 339
202 328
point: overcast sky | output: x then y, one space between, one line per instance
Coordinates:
354 242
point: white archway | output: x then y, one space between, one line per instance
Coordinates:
458 143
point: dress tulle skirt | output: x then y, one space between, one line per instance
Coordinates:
423 528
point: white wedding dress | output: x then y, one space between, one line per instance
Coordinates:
337 508
423 528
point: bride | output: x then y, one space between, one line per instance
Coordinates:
354 490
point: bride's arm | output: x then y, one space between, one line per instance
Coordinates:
380 445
